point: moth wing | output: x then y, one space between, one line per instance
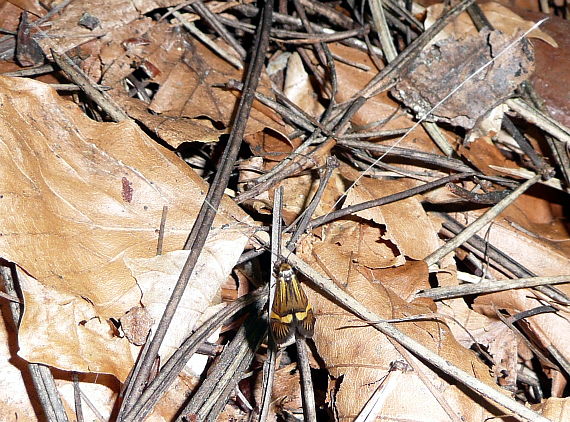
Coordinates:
306 322
281 331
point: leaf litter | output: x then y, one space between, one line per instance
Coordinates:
83 200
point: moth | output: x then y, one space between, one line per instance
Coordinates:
291 311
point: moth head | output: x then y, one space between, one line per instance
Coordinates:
284 270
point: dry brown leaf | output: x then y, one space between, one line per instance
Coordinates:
358 243
489 125
88 195
405 280
9 16
555 409
520 5
188 91
540 256
14 398
407 224
173 131
249 170
360 354
380 111
538 216
502 19
298 87
363 356
65 33
63 330
29 5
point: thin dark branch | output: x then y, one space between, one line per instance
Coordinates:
208 211
161 230
214 22
210 398
172 368
270 363
409 154
485 287
386 200
328 12
77 398
75 74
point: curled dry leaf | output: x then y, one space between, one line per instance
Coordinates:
357 353
298 87
88 196
540 256
498 15
362 356
156 277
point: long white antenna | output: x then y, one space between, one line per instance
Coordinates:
444 99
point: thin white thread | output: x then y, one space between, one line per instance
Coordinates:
453 91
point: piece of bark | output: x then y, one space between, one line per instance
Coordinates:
28 52
445 65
